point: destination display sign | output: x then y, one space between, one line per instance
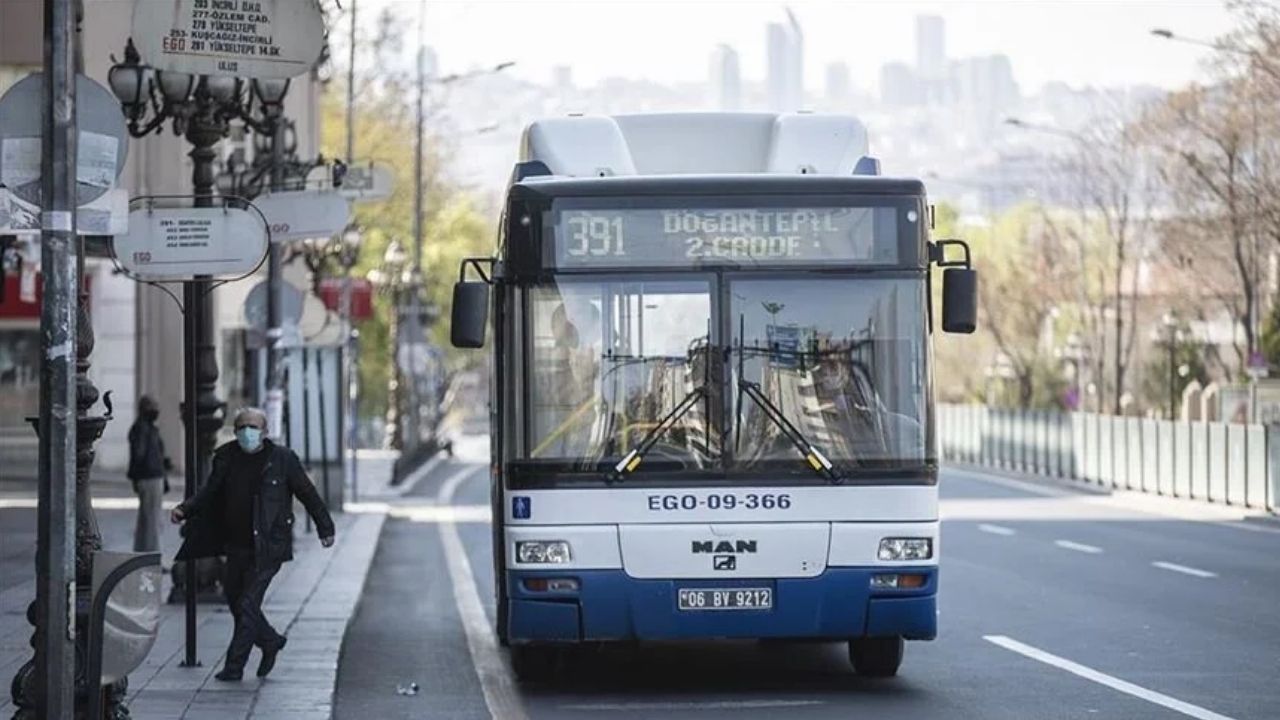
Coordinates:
243 38
728 236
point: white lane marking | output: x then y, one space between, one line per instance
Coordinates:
1101 678
1184 569
706 705
499 689
997 529
1078 547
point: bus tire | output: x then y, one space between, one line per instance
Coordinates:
534 663
876 656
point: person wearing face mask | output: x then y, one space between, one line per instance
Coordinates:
244 511
147 468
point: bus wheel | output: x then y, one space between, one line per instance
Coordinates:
876 656
534 663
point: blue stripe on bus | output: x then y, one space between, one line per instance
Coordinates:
610 605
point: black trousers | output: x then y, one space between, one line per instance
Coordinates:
245 583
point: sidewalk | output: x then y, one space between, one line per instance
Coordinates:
311 601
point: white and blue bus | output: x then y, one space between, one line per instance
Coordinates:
712 408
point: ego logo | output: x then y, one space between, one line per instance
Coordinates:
278 228
142 258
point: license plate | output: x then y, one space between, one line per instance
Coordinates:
725 599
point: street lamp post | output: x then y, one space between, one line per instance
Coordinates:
1171 335
201 109
392 279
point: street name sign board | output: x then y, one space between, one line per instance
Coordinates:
304 214
171 244
108 215
367 183
102 147
262 39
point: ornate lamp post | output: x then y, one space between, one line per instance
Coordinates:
201 109
1170 335
392 278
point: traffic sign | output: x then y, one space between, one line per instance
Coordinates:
304 214
255 305
102 146
1258 367
367 183
170 244
263 39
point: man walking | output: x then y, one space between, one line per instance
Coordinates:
147 468
245 512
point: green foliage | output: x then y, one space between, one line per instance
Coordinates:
453 229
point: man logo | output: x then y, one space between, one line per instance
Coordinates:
724 562
738 547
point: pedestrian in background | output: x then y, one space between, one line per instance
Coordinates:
148 466
245 512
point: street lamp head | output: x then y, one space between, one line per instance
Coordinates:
1162 33
395 255
130 82
175 86
223 89
504 65
270 94
1015 122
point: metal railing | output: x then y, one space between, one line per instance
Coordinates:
1226 463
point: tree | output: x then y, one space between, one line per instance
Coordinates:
385 134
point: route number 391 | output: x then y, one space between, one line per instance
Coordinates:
595 236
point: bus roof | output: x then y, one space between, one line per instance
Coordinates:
549 187
698 143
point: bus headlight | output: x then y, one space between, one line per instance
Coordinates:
552 552
898 549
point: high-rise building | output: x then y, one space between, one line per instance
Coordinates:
899 86
726 78
562 78
838 85
785 75
986 90
931 58
931 47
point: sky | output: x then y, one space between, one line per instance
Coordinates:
1081 42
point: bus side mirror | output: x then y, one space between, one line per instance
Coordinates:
470 314
959 300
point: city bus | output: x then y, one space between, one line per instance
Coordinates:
711 405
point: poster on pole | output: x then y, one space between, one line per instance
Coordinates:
304 214
262 39
174 244
108 215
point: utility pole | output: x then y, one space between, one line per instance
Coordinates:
415 288
351 414
275 333
55 524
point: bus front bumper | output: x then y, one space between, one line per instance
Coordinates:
610 605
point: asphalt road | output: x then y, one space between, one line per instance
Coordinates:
1054 604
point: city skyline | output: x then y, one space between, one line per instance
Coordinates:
1081 44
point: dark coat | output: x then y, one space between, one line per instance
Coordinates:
146 451
283 479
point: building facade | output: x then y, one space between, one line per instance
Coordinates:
137 328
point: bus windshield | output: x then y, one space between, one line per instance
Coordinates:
841 360
609 360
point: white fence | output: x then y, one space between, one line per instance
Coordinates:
1219 462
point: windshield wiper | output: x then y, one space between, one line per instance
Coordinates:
633 459
812 455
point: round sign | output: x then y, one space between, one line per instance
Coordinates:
255 305
102 147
